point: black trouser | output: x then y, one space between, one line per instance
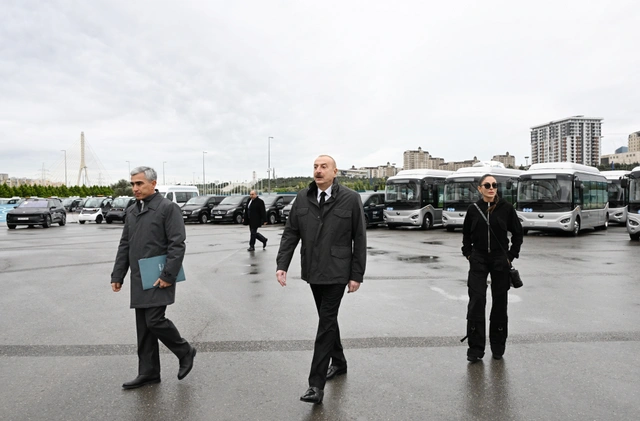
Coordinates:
151 326
328 347
255 234
481 265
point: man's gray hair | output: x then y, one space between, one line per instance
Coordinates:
149 173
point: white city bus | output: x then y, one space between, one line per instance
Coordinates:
414 198
461 189
618 195
562 196
633 208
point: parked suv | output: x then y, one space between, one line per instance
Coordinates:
37 211
118 209
94 209
274 203
198 209
284 212
373 203
230 209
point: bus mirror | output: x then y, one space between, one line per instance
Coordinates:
624 183
509 184
577 184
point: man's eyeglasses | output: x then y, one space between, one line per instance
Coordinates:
490 186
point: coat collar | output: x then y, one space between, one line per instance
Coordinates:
150 202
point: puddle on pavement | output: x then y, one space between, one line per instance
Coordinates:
418 259
435 243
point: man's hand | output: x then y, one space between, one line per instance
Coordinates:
282 277
353 286
116 286
161 284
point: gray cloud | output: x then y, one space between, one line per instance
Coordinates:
363 81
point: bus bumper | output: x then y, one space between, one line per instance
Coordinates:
403 218
546 222
453 219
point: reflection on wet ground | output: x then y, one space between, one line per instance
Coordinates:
418 259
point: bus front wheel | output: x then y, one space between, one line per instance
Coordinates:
427 223
576 228
635 237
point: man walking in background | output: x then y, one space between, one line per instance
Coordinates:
255 215
329 219
153 227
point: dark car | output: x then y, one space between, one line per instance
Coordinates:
284 212
373 203
72 204
198 209
274 203
37 212
118 209
230 209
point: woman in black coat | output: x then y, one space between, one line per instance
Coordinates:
485 244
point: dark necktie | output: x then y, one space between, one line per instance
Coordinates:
323 196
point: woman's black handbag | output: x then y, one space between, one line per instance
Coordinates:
514 278
514 275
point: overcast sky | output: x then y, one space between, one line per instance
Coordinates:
363 81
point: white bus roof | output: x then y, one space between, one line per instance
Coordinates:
614 174
176 187
480 171
560 168
636 170
420 173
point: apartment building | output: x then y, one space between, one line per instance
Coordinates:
509 161
574 139
634 142
418 159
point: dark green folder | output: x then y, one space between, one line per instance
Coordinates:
151 268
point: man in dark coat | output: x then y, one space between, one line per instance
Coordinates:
255 215
329 219
153 227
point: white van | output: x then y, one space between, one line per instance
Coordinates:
178 194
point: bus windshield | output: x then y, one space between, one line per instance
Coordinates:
403 194
634 195
458 195
616 193
545 193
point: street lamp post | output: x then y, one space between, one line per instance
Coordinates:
65 166
204 188
163 162
269 161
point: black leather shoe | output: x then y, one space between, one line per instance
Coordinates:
473 358
497 357
334 371
186 364
251 249
264 245
313 395
141 381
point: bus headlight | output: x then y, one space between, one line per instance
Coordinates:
633 223
444 218
414 217
565 220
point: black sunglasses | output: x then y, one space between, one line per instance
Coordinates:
490 186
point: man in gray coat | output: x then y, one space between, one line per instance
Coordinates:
153 227
329 219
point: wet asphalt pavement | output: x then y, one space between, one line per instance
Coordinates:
67 342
